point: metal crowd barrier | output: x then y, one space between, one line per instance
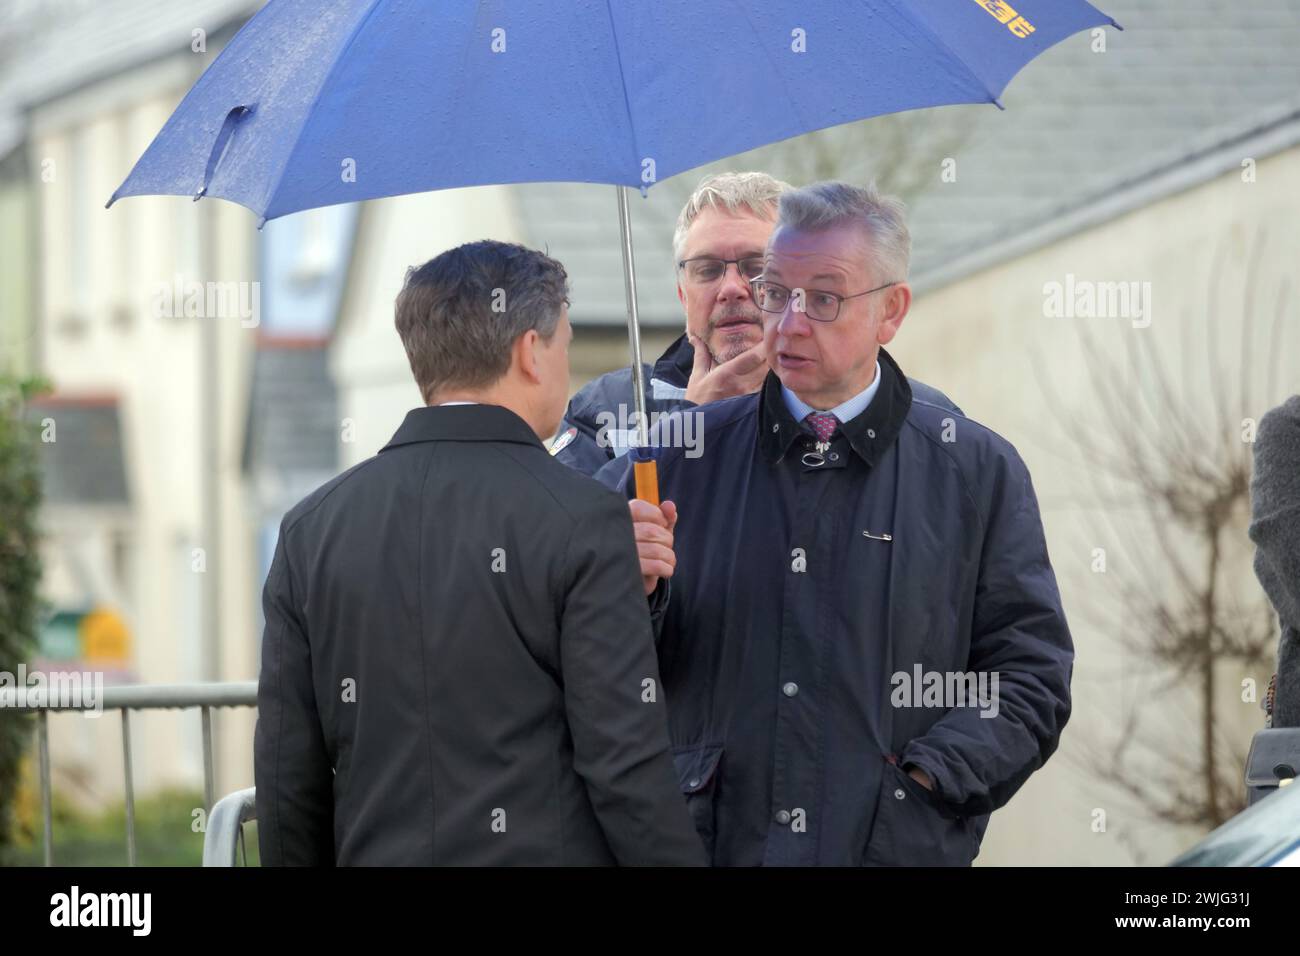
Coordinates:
225 834
127 698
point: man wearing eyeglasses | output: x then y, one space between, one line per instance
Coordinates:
861 640
718 247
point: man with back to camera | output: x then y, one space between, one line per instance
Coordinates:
457 667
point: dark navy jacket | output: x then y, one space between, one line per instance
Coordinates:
812 603
586 441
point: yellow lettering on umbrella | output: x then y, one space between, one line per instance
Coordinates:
1004 13
1020 27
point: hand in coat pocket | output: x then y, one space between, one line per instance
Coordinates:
913 826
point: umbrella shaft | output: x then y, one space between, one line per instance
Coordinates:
633 320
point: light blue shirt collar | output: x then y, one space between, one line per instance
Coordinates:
846 411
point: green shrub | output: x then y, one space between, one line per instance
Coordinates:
165 834
20 575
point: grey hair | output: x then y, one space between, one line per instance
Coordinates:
460 313
756 193
826 205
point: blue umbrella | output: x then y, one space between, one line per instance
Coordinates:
313 104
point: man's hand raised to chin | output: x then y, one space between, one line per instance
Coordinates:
712 382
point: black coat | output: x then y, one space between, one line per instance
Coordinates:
1275 529
458 667
803 591
586 442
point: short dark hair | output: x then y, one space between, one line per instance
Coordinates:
460 313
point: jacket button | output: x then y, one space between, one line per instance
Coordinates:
783 817
790 689
899 794
694 783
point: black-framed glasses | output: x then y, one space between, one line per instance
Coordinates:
817 305
705 270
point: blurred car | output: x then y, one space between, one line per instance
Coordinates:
1267 832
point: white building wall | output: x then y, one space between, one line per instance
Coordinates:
101 271
986 342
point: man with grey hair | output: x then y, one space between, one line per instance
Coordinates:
457 667
861 640
718 249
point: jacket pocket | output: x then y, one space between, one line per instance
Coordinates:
914 827
697 773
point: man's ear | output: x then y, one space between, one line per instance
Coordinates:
525 356
898 300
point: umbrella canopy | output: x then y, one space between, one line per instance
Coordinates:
313 104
